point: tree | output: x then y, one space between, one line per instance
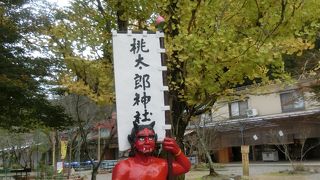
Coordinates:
306 65
23 101
202 137
296 158
17 149
86 113
210 52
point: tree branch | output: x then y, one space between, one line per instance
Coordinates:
193 16
100 8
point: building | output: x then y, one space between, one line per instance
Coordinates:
102 134
267 119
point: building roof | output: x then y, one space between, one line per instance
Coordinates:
265 129
258 121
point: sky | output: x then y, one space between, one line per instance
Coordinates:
60 2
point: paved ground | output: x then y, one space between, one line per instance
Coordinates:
258 171
262 171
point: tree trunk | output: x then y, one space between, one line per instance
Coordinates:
178 127
122 24
94 174
212 172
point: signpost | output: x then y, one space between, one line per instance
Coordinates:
139 83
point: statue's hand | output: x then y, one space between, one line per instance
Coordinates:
169 144
181 163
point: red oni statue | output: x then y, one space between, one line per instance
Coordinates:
143 165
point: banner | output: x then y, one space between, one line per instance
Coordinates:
63 146
139 83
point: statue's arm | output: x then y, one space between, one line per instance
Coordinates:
181 163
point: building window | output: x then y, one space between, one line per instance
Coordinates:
238 109
292 101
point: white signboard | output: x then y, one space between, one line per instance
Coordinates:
139 83
59 167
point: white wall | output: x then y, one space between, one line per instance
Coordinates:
220 111
265 104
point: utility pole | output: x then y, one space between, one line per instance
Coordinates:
54 152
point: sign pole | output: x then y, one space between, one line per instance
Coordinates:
166 103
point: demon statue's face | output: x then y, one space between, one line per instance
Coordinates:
145 141
143 138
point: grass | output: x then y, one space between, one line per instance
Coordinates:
205 166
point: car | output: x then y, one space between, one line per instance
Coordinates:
75 165
108 164
66 165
